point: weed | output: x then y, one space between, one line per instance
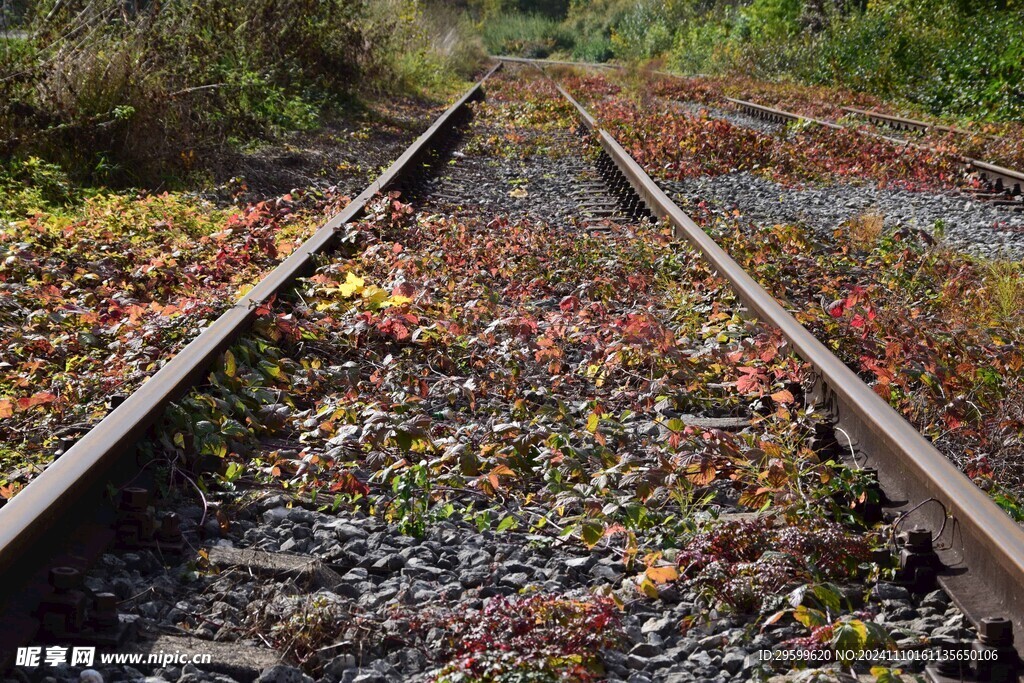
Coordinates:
412 499
531 35
1005 284
865 229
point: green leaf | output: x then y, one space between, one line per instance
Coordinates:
850 635
234 429
592 532
828 596
878 637
509 522
403 439
234 471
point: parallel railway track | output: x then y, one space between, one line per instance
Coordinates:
981 549
1003 181
903 123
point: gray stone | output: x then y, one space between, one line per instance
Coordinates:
370 677
473 557
356 574
347 532
660 625
337 666
712 642
412 660
937 600
580 563
604 572
300 516
889 591
392 563
734 660
700 659
659 662
283 674
474 578
275 515
518 580
646 650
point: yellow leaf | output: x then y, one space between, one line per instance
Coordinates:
503 469
353 285
230 366
647 587
374 296
662 574
6 408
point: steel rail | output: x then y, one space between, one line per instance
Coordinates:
558 62
29 521
1003 178
778 114
901 122
980 546
773 113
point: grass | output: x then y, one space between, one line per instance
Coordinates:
529 35
1004 282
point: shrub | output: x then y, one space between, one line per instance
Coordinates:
137 92
954 57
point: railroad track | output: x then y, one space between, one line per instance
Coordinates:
903 123
66 520
1004 186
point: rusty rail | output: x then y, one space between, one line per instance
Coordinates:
904 123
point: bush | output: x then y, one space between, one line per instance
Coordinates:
593 49
136 92
952 57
